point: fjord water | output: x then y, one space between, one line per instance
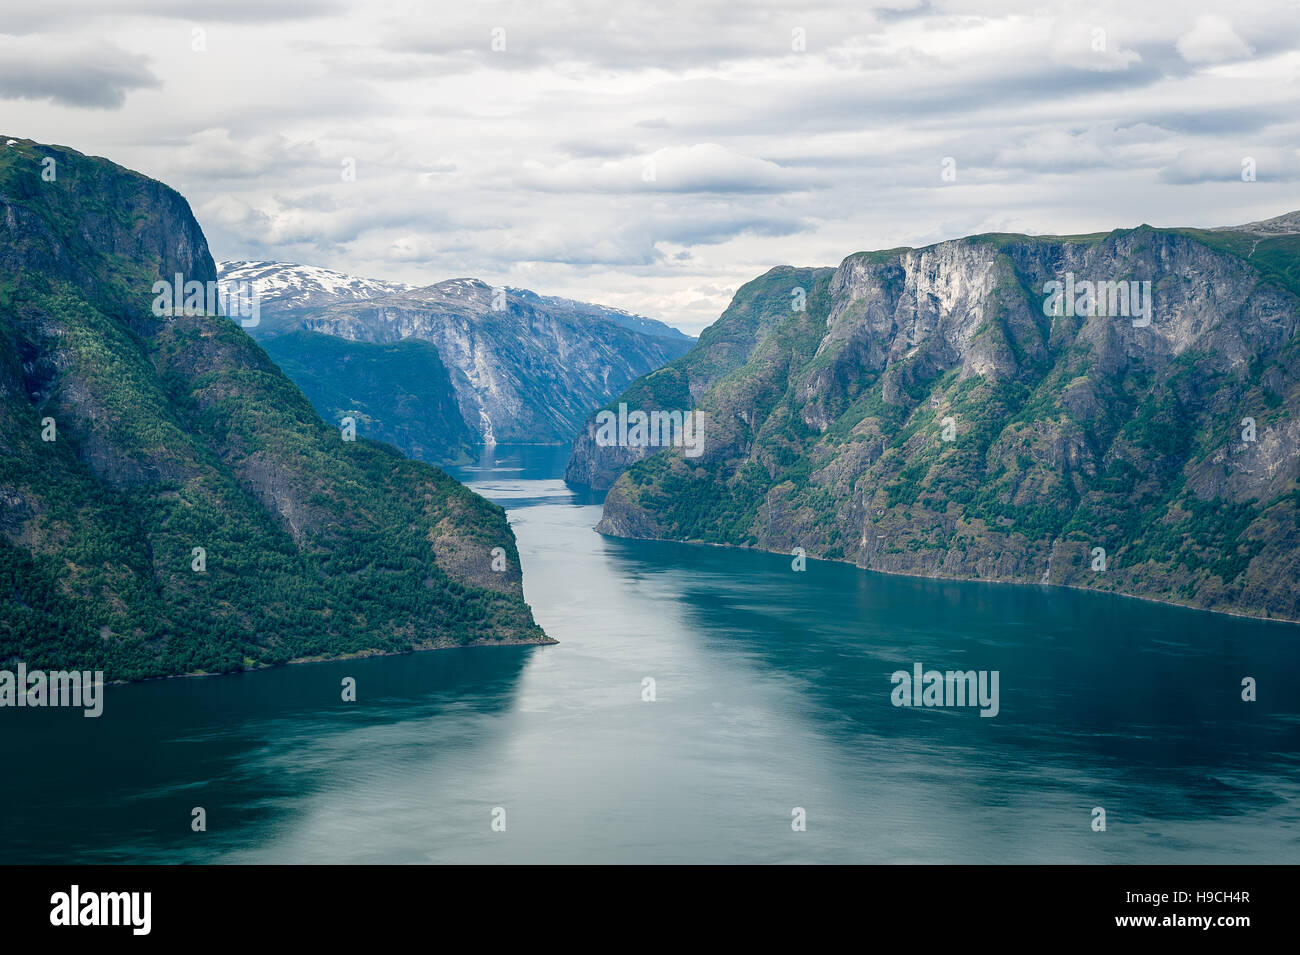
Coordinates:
772 692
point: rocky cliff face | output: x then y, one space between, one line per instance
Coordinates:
169 501
947 411
523 372
523 367
759 318
287 292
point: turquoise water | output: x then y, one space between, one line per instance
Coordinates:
772 692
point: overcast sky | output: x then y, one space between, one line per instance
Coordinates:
655 155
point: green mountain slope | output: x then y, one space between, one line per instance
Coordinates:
1069 433
758 324
177 433
399 392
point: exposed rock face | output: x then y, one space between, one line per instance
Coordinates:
169 501
927 415
760 308
522 367
523 371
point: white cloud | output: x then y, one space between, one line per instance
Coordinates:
527 167
1212 40
703 167
1093 45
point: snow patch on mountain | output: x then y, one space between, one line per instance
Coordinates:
286 285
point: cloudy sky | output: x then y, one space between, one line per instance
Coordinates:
656 155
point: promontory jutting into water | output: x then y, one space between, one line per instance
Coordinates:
699 702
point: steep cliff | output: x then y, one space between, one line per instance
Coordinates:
523 367
948 411
398 392
169 501
523 371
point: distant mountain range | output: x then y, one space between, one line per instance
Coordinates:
1118 411
517 366
285 289
169 500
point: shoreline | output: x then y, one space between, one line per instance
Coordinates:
544 641
968 580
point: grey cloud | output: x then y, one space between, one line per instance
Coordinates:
625 34
94 77
1218 120
712 230
898 14
632 244
47 14
926 102
1224 164
595 149
217 156
471 162
698 168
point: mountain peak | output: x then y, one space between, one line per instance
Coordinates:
1288 223
288 285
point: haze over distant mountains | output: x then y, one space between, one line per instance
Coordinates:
930 411
516 366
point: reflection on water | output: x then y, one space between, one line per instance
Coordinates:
772 692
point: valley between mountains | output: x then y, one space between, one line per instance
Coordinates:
440 370
180 494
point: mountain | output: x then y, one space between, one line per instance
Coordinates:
603 313
286 292
522 367
1114 411
169 501
399 392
